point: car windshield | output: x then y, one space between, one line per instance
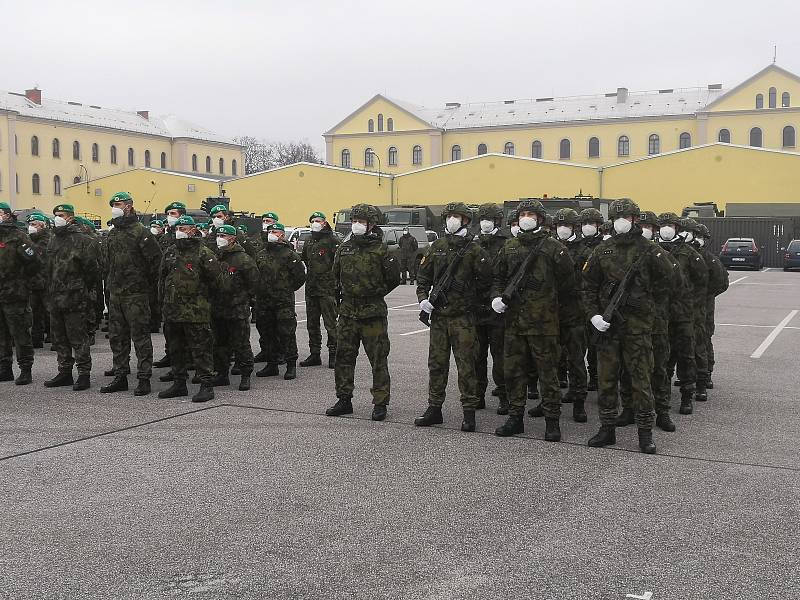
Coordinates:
398 217
794 246
737 244
305 236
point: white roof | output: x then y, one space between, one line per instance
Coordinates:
84 114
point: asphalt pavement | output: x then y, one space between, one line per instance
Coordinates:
260 495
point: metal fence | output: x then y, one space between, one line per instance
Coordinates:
770 233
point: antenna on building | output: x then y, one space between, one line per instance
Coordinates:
774 54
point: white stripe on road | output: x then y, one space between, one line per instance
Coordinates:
743 325
301 302
752 283
302 320
403 306
738 280
417 331
773 334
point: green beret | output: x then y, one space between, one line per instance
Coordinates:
276 226
67 208
218 208
84 221
227 229
317 215
36 216
5 206
242 228
269 215
203 226
185 219
121 197
175 206
157 223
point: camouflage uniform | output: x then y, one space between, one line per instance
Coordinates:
38 287
585 249
718 283
318 254
408 257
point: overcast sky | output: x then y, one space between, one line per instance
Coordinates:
290 70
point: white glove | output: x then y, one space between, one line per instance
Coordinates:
426 306
499 306
600 324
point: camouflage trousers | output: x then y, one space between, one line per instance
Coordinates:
278 332
701 350
15 334
324 307
373 334
710 329
191 342
573 348
660 380
129 319
632 354
41 316
232 337
155 310
408 266
520 352
591 354
491 338
682 354
456 334
70 333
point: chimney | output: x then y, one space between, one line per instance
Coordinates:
145 114
34 95
622 95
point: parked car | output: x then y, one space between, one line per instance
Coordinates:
791 256
741 252
432 236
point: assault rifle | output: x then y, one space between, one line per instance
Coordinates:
619 298
516 281
438 295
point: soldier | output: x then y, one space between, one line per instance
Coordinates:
132 259
718 283
452 312
190 275
221 215
281 274
157 230
73 270
39 232
19 262
174 211
408 257
318 254
591 222
96 293
267 219
490 325
543 274
231 309
364 273
626 343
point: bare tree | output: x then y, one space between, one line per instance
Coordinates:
260 155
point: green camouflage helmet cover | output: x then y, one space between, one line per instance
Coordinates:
591 215
549 221
704 231
367 212
668 218
607 227
513 216
624 207
458 208
490 212
532 205
648 217
567 216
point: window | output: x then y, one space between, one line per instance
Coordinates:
234 168
724 136
508 149
57 185
788 137
564 149
594 147
16 144
34 146
653 144
113 155
208 164
759 100
194 162
536 149
773 97
370 125
755 137
76 150
785 100
130 157
392 156
380 122
95 153
16 182
389 124
368 160
164 160
455 152
416 155
56 148
623 146
482 149
35 183
147 158
346 158
685 140
222 166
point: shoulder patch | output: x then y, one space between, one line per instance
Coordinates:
609 251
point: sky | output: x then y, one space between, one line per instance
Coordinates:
289 71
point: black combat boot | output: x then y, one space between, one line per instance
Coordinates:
496 392
178 389
700 394
579 411
331 359
512 426
536 411
313 360
379 412
468 424
481 404
118 384
502 406
686 401
142 388
343 406
291 370
205 394
552 431
710 384
164 362
168 376
109 372
533 393
222 379
269 370
244 383
607 436
60 380
646 444
82 383
7 374
25 377
260 357
431 416
664 422
626 417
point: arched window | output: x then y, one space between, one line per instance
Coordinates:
508 149
755 137
564 149
147 158
685 140
368 158
724 136
536 149
392 156
455 152
95 153
773 97
56 148
76 150
113 155
194 162
57 185
346 158
482 149
35 183
208 164
222 166
623 146
164 160
416 155
130 157
76 180
785 100
389 124
34 146
594 147
653 144
370 125
380 122
759 100
234 168
788 137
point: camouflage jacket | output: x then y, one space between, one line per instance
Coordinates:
493 246
38 282
318 254
572 311
190 275
281 274
242 276
534 309
166 239
364 273
408 245
686 307
19 262
132 257
73 269
584 251
717 274
666 297
605 270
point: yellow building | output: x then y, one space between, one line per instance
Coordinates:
47 145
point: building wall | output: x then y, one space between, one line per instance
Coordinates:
745 97
380 144
358 122
771 123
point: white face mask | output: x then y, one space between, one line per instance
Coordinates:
316 226
218 221
622 225
155 231
172 220
528 223
515 230
453 224
221 242
647 233
687 235
117 212
181 235
59 222
589 230
271 237
110 227
487 226
701 242
563 232
32 229
358 228
667 233
606 236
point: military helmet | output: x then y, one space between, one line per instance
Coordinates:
490 212
513 216
607 227
591 215
121 197
648 217
458 208
367 212
668 218
532 205
549 221
690 225
704 231
567 216
624 207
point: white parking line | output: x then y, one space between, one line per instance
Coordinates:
403 306
770 284
773 334
417 331
738 280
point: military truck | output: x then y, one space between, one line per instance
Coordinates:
553 205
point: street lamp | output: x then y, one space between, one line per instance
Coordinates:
372 153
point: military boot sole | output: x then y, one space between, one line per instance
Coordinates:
602 439
378 413
423 421
25 378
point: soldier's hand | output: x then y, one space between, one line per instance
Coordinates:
426 306
600 324
499 306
